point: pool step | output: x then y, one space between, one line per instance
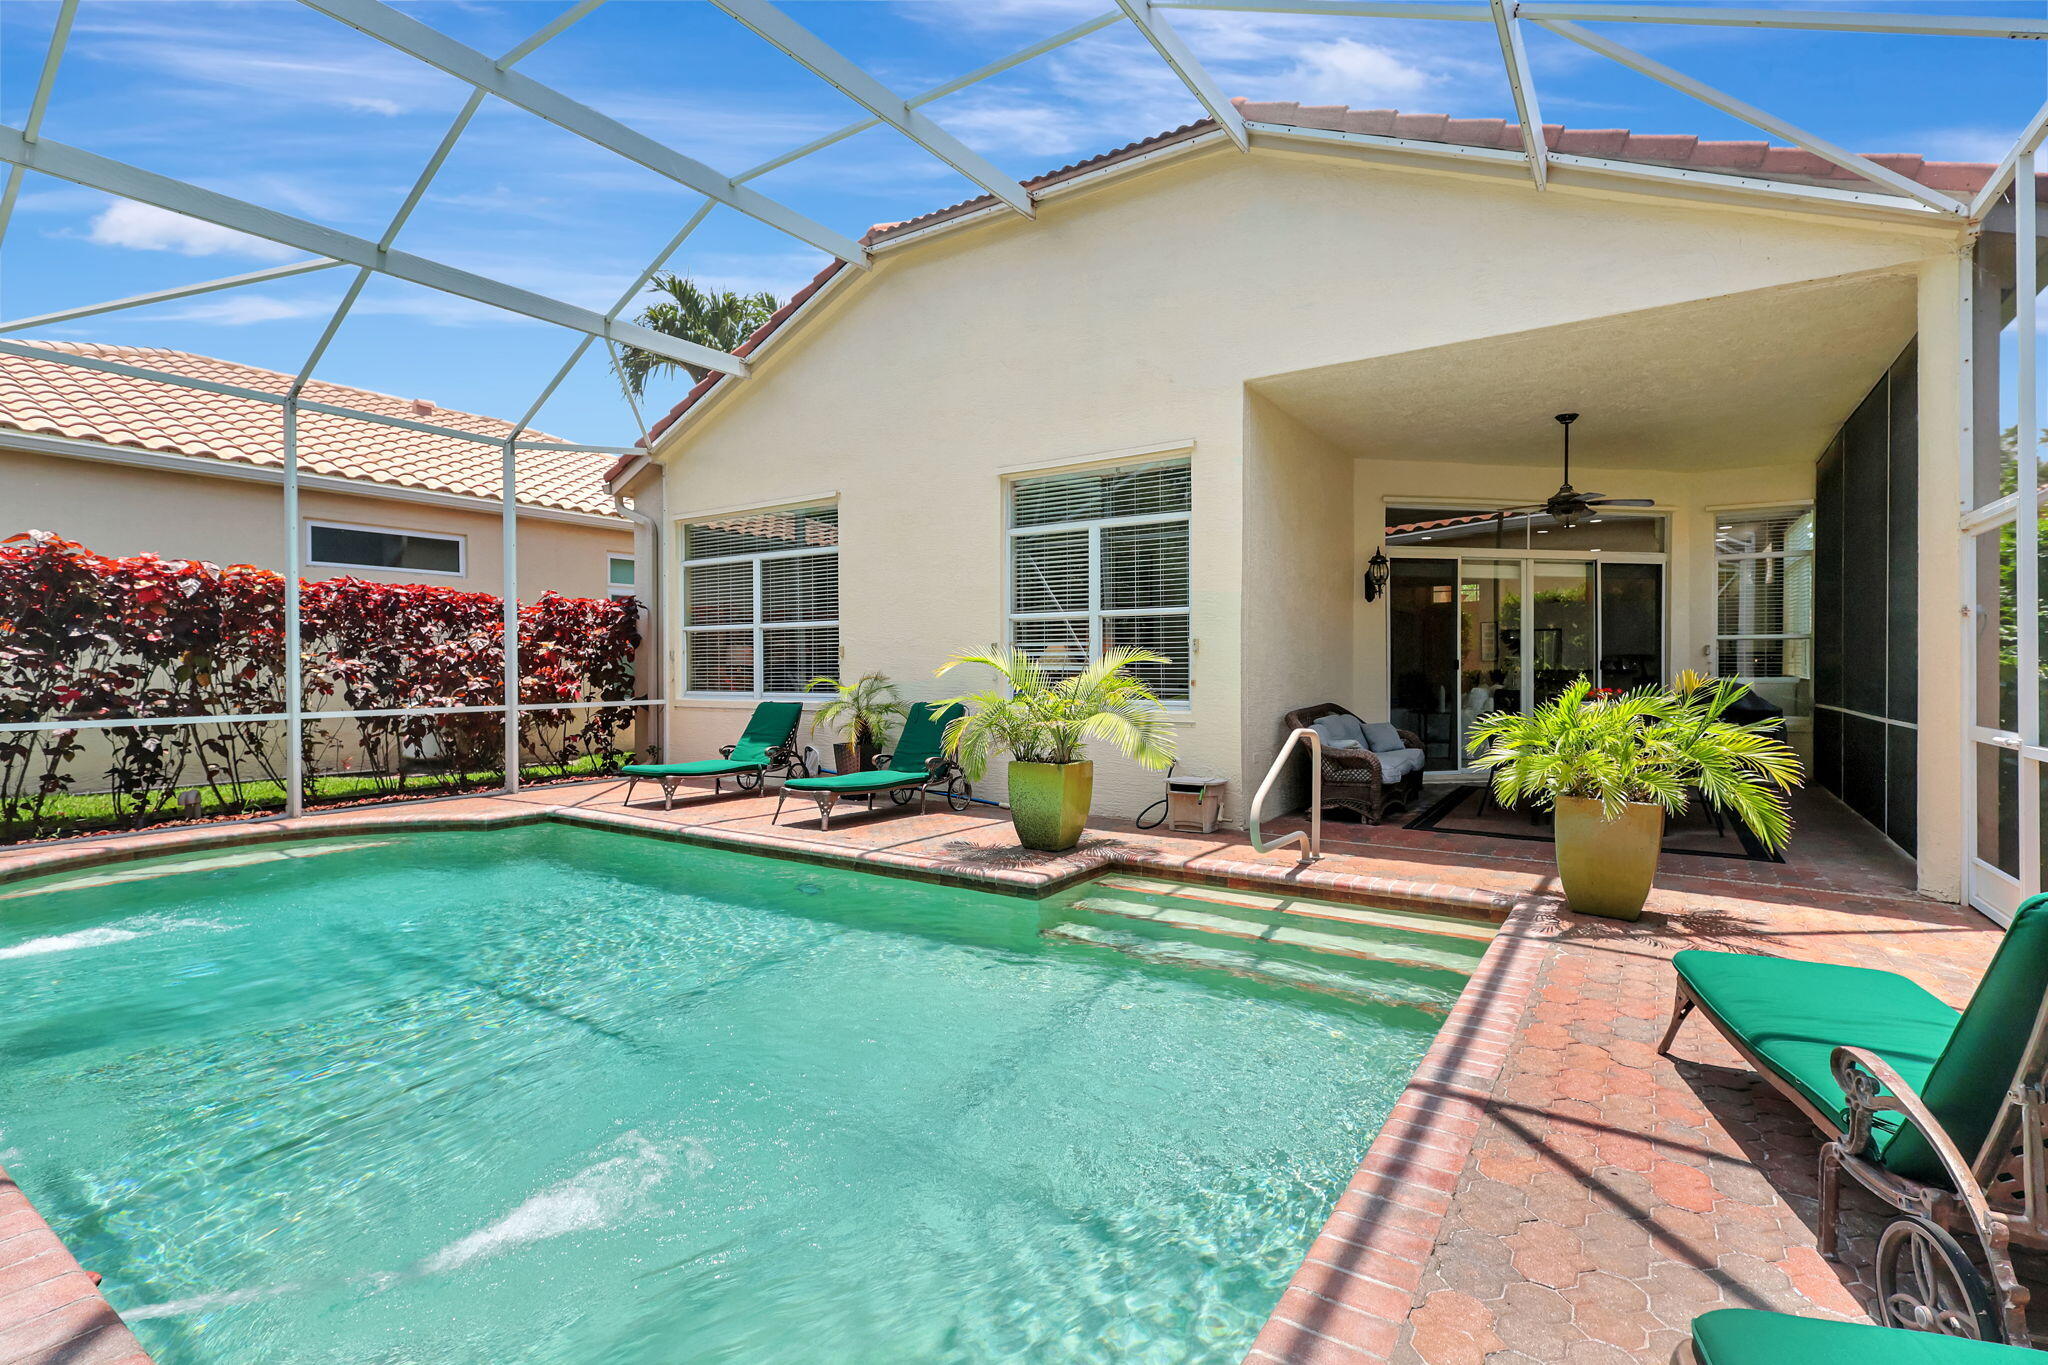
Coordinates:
1343 978
1417 922
1400 952
153 868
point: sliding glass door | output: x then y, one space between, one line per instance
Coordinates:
1468 635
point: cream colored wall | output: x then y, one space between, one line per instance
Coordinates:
121 510
1134 315
1298 586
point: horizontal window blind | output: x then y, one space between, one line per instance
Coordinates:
1099 560
1763 599
1138 490
761 601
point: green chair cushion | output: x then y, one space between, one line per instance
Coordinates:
1792 1015
923 737
1750 1336
1970 1081
710 767
773 725
875 780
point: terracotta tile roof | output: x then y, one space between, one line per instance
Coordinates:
49 398
1757 159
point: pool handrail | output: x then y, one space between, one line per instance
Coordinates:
1312 837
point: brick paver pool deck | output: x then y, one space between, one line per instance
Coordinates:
1548 1189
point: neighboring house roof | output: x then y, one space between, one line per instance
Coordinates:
1757 159
50 398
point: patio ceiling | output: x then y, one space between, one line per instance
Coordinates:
1739 381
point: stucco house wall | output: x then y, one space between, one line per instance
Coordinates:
1131 318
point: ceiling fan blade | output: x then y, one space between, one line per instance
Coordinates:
1596 500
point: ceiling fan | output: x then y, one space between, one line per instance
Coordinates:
1567 504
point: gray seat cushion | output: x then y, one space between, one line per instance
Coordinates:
1399 763
1383 738
1341 732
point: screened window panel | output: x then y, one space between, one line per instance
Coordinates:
1059 646
722 661
791 658
1162 635
1145 566
1051 572
1140 490
752 533
718 594
801 589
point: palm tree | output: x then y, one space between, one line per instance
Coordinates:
719 319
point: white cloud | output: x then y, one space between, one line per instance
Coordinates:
1954 144
144 227
295 60
242 310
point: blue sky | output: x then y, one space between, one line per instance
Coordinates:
273 103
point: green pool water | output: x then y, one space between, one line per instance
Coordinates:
563 1095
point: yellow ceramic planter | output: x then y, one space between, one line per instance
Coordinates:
1607 865
1049 803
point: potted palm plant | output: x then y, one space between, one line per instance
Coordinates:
1613 767
1045 725
863 711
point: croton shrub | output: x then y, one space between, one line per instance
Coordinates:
87 636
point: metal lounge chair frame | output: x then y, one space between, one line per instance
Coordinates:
782 760
942 777
1996 1197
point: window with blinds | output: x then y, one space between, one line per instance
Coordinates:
761 601
1763 564
1099 560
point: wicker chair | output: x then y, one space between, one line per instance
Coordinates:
1352 779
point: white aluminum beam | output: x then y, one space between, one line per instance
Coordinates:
1516 59
437 50
958 83
32 127
1176 54
815 55
2029 140
557 25
131 182
183 291
1840 21
1750 114
1341 9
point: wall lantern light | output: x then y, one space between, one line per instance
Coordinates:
1376 575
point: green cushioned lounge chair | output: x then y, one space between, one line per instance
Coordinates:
767 745
1750 1336
1938 1113
918 766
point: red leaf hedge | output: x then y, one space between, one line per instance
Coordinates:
85 636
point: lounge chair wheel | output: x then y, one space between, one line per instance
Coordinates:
747 782
959 793
1926 1283
901 795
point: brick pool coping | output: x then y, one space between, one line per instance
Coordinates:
1346 1303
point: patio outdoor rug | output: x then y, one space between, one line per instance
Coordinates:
1458 811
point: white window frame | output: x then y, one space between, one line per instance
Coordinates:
1738 513
461 548
612 589
1095 528
761 629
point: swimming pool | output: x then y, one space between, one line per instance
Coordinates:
557 1094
